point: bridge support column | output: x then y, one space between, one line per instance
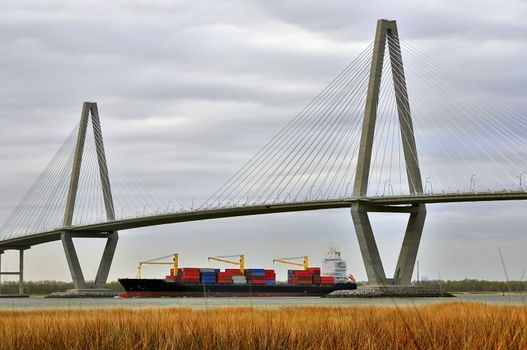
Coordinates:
1 253
359 212
106 260
412 237
20 271
368 245
89 109
73 261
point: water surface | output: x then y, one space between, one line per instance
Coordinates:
203 303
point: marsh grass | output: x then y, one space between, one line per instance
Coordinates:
440 326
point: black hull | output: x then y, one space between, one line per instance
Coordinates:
163 288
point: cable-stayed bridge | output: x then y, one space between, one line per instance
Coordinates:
381 137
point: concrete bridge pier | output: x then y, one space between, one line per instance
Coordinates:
20 271
77 276
368 246
359 211
408 254
89 111
73 261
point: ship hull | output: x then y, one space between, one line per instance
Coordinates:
151 288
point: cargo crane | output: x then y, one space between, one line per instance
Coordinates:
305 264
154 261
223 259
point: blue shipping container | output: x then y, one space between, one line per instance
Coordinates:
257 274
256 270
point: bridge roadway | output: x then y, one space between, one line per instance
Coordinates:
381 203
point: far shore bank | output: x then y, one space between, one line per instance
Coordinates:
472 286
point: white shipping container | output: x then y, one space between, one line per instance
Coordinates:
207 269
239 280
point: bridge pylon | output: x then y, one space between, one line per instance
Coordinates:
89 110
359 210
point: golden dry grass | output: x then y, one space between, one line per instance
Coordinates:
443 326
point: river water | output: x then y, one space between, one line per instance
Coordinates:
203 303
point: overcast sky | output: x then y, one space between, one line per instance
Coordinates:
202 85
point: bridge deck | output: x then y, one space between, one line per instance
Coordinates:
98 229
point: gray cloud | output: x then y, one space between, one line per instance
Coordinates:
200 86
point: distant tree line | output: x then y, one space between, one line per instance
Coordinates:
46 287
473 285
466 285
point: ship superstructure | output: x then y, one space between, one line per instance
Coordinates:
333 265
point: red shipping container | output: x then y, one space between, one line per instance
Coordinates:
190 269
327 280
303 273
313 269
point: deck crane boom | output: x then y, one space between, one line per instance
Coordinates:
155 261
223 259
305 264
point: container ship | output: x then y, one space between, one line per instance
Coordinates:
236 282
